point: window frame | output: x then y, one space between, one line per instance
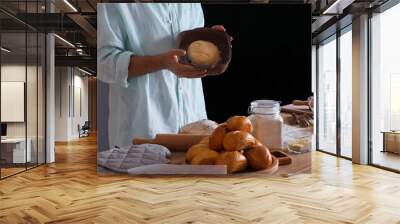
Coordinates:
381 9
334 37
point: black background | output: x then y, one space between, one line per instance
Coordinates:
271 56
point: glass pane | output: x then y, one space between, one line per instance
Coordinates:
41 99
386 88
346 94
327 96
32 98
13 86
23 90
32 86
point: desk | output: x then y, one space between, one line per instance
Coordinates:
13 150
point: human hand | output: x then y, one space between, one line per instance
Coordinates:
222 29
171 62
221 68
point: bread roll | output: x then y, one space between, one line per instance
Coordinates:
259 157
235 161
239 123
217 138
205 157
205 145
258 143
194 150
203 53
238 140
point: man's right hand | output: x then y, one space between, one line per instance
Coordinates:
171 61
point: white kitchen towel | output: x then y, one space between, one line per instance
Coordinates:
122 159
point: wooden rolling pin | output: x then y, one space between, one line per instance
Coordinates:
174 142
295 111
307 103
300 102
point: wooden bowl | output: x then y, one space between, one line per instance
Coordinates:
219 38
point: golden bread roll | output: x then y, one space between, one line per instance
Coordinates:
205 145
205 157
235 161
238 140
203 53
258 143
239 123
194 150
217 138
259 157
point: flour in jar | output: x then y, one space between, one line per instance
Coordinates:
268 130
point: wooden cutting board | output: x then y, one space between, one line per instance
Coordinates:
179 144
272 169
178 158
178 169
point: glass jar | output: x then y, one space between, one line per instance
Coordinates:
267 123
299 145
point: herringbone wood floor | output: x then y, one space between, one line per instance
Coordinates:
70 191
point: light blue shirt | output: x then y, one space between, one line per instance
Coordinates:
157 102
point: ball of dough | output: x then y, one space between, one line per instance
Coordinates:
235 161
239 123
217 138
259 157
205 157
203 53
238 140
201 127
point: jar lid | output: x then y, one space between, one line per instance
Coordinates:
264 107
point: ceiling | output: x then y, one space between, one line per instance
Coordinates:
72 20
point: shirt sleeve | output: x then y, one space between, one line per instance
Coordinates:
112 57
199 16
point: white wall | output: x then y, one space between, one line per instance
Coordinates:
33 127
70 83
79 117
61 104
15 72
